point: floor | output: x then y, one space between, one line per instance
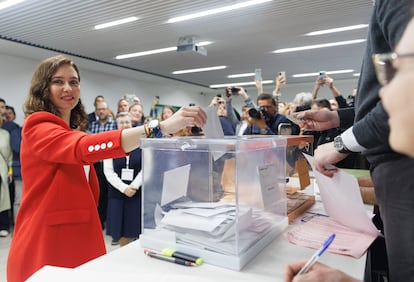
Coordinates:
4 250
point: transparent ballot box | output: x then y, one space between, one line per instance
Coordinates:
222 200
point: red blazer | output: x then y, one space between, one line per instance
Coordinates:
58 222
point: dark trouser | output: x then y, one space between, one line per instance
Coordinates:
12 190
376 267
394 189
5 220
103 195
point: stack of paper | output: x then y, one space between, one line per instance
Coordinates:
213 225
348 218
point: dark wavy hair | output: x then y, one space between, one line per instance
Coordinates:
39 94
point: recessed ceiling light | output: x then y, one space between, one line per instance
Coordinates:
217 11
241 75
357 74
238 84
338 29
317 73
8 3
114 23
157 51
324 45
199 70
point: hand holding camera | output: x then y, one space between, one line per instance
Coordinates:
235 90
255 112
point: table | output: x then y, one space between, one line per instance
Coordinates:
129 263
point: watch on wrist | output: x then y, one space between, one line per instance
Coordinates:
340 146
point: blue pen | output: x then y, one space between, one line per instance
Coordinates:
316 256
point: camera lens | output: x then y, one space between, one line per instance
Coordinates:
254 113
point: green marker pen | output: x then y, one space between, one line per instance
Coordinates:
172 253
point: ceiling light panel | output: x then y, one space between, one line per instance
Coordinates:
238 84
117 22
217 11
199 70
241 75
318 46
8 3
339 29
317 73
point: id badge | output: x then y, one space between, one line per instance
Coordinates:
127 174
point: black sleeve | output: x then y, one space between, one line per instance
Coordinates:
387 25
341 101
346 117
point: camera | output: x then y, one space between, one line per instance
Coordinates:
235 90
255 112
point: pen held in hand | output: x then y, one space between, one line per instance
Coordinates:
169 259
316 256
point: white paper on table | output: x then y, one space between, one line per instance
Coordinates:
342 200
175 184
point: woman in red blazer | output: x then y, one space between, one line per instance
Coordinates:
58 222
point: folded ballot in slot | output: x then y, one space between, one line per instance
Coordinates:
222 200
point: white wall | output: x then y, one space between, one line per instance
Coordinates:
112 82
16 73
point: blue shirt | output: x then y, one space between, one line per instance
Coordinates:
96 126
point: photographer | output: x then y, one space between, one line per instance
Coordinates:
241 124
265 120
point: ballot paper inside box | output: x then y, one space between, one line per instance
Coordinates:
222 199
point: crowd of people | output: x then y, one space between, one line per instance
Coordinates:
11 180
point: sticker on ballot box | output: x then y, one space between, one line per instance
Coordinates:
268 184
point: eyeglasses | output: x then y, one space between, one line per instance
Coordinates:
384 65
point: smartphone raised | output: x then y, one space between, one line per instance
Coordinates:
283 74
322 75
284 129
258 74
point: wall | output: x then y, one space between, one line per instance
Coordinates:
16 73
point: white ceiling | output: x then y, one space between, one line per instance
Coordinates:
242 39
